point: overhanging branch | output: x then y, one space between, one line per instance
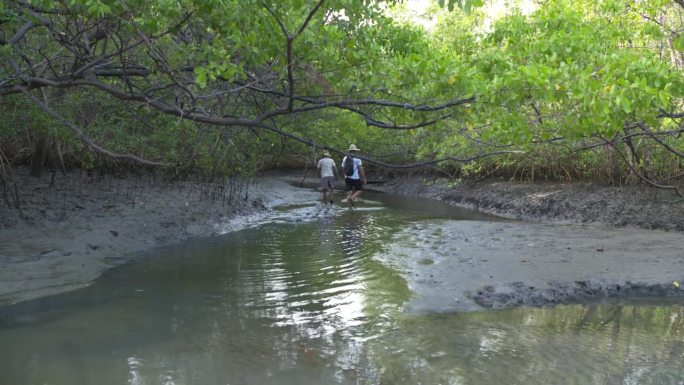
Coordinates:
88 141
638 174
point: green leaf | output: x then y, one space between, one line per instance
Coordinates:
201 77
625 104
664 98
678 43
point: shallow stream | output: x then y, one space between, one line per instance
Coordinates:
302 298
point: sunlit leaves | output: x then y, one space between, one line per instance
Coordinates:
570 54
466 5
571 70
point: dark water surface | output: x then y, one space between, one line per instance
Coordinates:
302 300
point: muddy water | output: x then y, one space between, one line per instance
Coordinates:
302 299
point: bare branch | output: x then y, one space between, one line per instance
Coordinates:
664 114
280 22
20 33
309 17
311 143
367 102
652 135
88 141
638 174
439 160
290 61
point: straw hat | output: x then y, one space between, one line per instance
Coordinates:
326 153
352 147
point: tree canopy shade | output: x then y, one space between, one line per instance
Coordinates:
236 78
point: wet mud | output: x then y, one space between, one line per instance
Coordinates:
561 244
626 206
66 234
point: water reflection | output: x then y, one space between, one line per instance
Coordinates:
308 303
351 233
597 344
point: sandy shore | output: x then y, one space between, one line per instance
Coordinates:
576 241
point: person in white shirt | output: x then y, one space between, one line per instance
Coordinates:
354 174
327 171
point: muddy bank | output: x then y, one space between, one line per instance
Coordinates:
469 265
630 206
65 235
577 242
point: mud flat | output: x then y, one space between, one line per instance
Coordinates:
569 243
471 265
65 235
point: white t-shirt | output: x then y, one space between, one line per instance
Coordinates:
357 165
326 167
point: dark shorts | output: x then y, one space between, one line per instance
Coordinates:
327 183
353 184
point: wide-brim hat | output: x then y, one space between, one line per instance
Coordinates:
352 147
326 153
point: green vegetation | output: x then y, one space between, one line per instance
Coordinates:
572 89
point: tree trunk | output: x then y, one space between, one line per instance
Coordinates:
39 155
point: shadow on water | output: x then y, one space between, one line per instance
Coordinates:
302 300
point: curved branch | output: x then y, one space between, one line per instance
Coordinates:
376 123
289 39
660 141
439 160
319 104
637 173
290 45
88 141
308 18
283 28
664 114
20 33
311 143
24 29
259 124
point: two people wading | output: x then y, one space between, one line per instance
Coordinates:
354 175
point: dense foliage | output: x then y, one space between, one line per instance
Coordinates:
569 89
